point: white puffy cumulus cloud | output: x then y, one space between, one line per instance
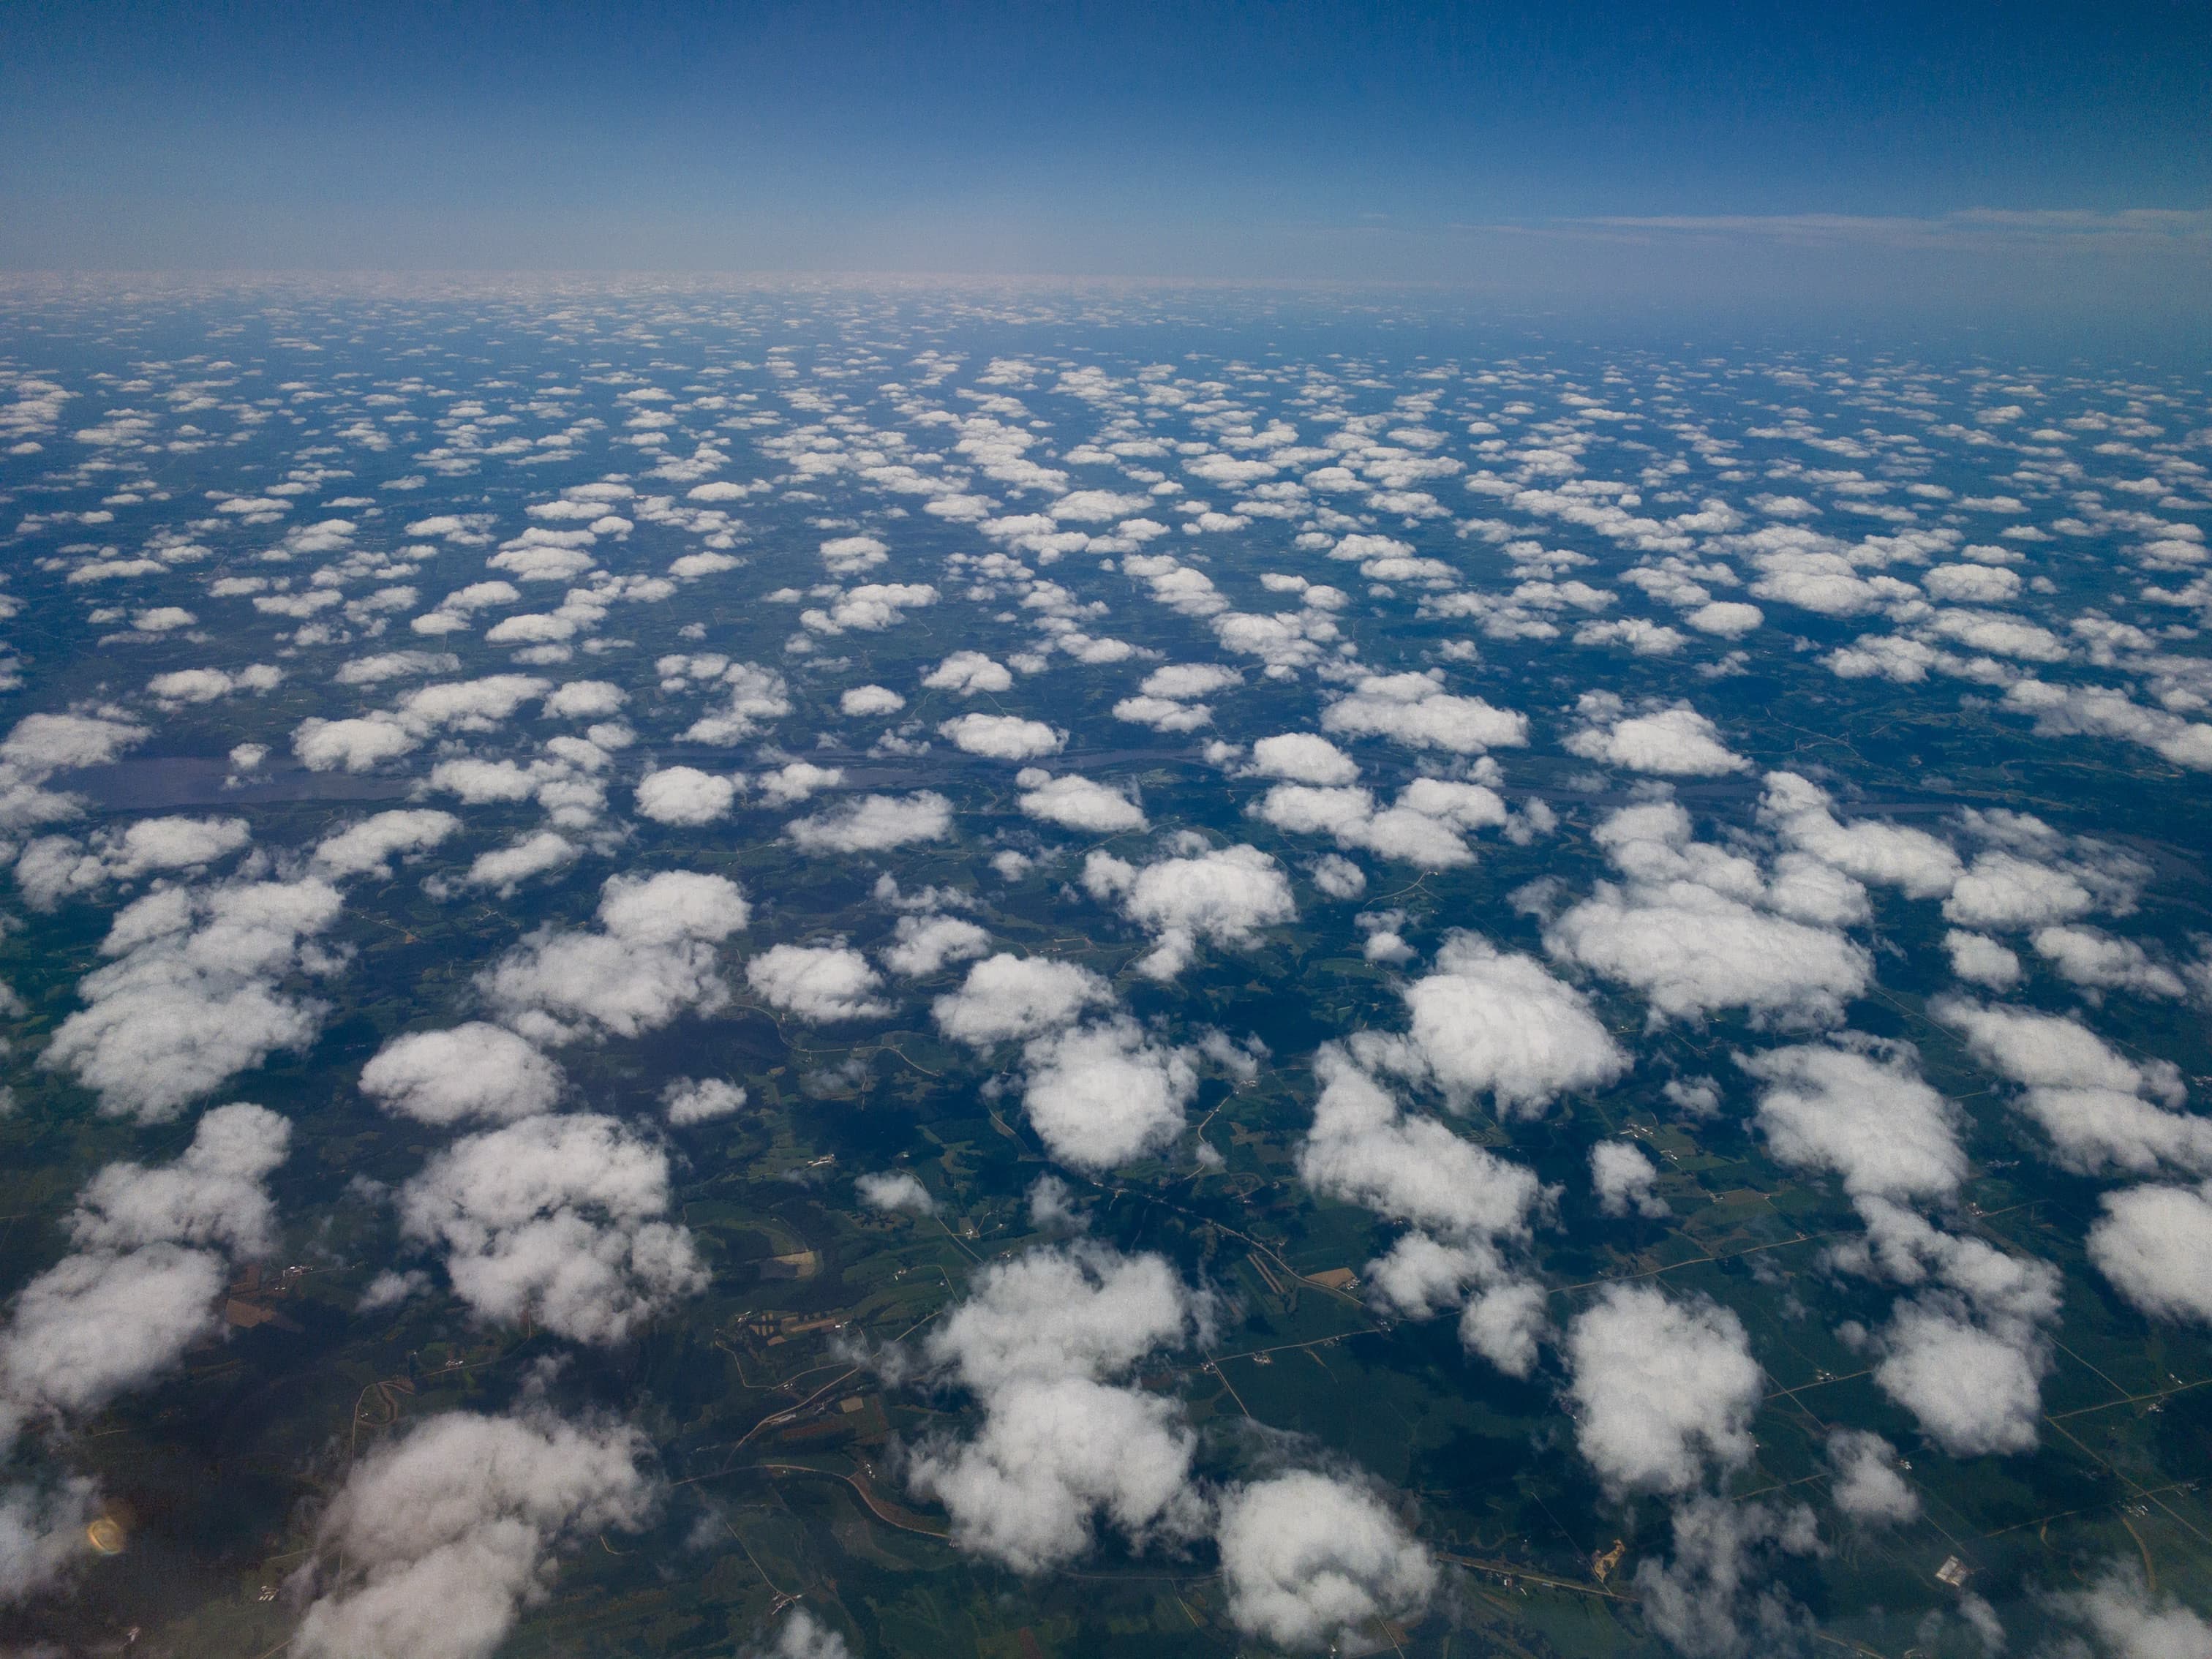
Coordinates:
865 702
1676 742
1302 757
1075 802
875 824
1426 827
1626 1181
1802 815
439 1538
818 983
39 745
1308 1558
924 944
42 1533
1862 1112
1463 1201
1965 1354
1718 1596
2126 1620
1697 928
504 869
555 1219
368 847
2155 1244
2099 1109
53 868
193 995
803 1636
849 556
651 957
869 608
473 1071
197 685
1491 1021
758 698
363 742
690 1100
969 673
795 782
1101 1095
586 700
1038 1343
895 1190
1002 736
1224 897
1006 998
684 795
1980 960
1663 1388
46 743
1415 710
1867 1487
144 1280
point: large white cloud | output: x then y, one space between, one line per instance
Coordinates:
1308 1558
652 957
192 997
56 867
368 849
1101 1095
926 943
1803 814
969 673
1006 998
684 795
472 1071
439 1538
1037 1342
875 824
152 1246
1415 710
1674 742
555 1219
1364 1149
1663 1388
817 983
1302 757
1696 928
1002 736
1866 1116
2100 1109
2155 1244
1224 897
1492 1022
1425 826
1074 802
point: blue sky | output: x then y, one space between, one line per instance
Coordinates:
1982 144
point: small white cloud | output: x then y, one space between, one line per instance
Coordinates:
896 1190
473 1071
875 824
700 1100
820 984
684 795
1002 736
1074 802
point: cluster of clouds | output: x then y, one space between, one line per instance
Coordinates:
562 1217
1067 1447
152 1249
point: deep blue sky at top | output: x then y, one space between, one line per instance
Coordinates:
1439 141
